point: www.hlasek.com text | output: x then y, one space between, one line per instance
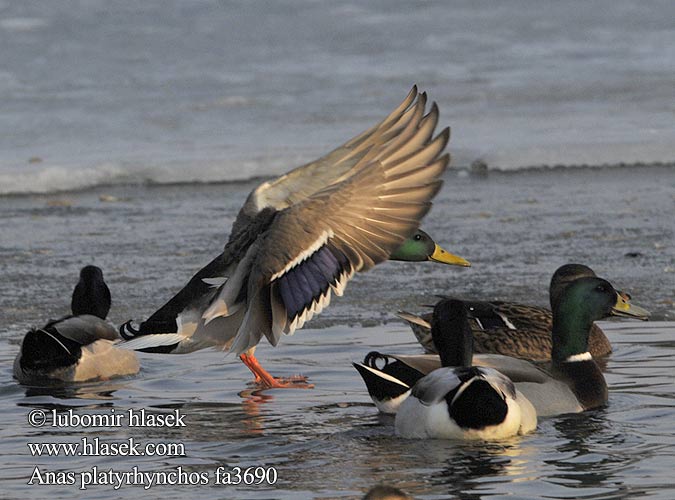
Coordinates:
95 447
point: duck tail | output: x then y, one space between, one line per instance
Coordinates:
421 328
383 389
138 340
163 343
44 349
413 319
389 385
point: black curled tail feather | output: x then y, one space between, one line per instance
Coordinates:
128 332
164 320
373 357
393 367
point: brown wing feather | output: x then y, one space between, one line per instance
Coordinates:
305 180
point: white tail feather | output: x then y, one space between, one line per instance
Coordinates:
148 341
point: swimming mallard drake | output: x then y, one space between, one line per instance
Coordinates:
570 382
301 237
460 401
80 346
514 329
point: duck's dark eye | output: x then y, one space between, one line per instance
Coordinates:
418 237
602 288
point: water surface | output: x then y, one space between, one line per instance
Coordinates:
329 442
97 92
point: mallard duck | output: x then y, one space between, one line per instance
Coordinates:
570 382
301 237
514 329
460 401
80 346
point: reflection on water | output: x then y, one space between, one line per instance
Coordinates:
585 465
95 391
329 442
469 469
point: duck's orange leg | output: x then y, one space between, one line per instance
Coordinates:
263 377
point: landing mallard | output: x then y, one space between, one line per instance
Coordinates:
301 237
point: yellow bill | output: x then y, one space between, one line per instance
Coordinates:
625 309
445 257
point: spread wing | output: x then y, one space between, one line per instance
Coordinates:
304 181
314 246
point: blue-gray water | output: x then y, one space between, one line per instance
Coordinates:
328 442
100 92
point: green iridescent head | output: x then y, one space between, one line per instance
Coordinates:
421 247
583 301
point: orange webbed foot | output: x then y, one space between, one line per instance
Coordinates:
264 380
